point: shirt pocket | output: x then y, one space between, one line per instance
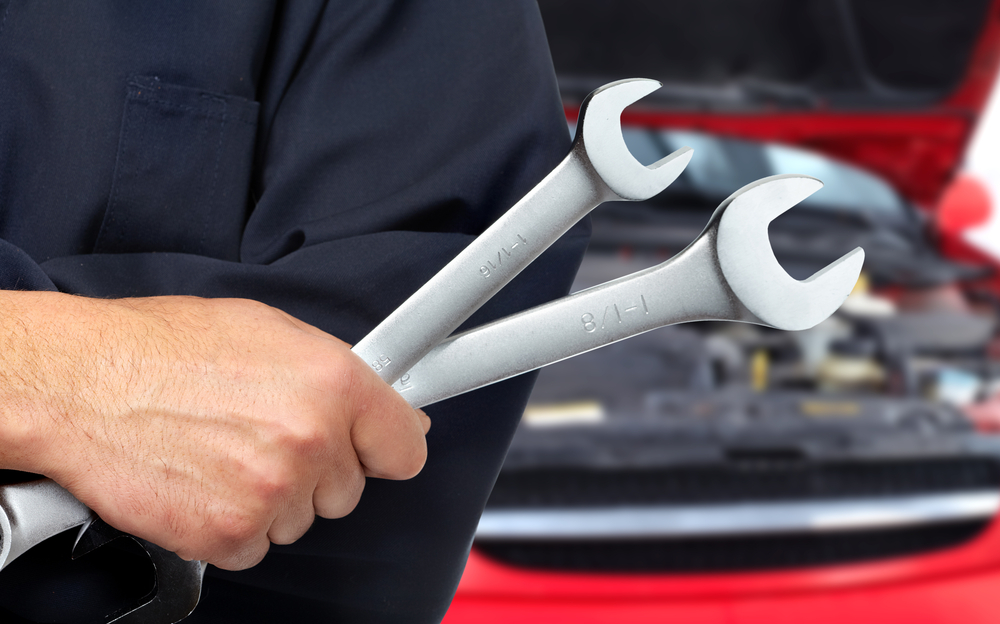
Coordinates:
182 174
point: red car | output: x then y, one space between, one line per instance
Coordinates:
725 473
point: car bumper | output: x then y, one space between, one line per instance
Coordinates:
952 586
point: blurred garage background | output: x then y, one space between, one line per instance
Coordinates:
722 472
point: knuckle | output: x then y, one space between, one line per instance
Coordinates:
234 531
330 374
304 435
273 485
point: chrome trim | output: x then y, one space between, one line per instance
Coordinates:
722 520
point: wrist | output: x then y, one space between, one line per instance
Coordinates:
53 361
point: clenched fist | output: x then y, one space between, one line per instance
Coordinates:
211 427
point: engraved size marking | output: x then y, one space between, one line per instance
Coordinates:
613 314
404 383
487 269
618 315
381 362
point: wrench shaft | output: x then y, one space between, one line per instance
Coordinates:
494 258
688 287
708 280
598 168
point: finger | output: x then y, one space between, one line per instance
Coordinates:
425 420
249 554
387 433
293 521
338 491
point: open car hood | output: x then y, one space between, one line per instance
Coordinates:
894 86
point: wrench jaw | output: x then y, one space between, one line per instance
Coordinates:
5 538
599 132
33 511
752 272
177 587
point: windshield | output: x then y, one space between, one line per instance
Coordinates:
721 165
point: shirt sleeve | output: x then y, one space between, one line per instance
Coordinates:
18 271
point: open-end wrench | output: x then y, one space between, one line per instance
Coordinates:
33 511
728 273
598 168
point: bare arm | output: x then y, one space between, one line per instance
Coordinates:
211 427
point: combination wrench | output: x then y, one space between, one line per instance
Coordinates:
598 168
728 273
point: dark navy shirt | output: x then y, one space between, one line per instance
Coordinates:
324 157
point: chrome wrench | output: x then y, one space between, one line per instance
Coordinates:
728 273
33 511
598 168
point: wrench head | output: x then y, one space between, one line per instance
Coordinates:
178 582
599 133
753 273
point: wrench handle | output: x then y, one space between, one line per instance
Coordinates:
495 257
688 287
34 511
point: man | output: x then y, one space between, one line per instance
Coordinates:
313 163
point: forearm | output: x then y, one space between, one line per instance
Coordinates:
56 371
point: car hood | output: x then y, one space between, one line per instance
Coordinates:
894 86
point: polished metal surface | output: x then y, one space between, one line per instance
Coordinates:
751 271
728 273
598 168
178 582
34 511
693 521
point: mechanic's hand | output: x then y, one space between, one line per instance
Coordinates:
211 427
